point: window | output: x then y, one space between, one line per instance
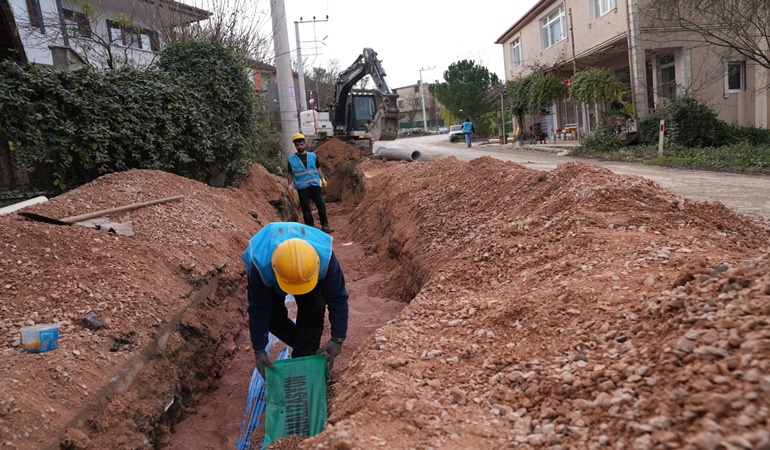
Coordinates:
735 76
76 24
602 7
133 37
35 15
401 104
554 28
516 52
667 76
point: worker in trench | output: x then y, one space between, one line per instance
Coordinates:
292 258
306 177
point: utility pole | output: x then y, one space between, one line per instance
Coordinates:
300 70
287 99
422 100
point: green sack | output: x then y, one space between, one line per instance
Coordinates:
296 397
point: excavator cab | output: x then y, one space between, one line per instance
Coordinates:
363 108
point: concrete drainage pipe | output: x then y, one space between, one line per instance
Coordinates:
397 154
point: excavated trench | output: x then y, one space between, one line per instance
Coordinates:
492 306
204 359
215 399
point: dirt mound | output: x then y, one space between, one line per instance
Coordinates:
140 287
575 308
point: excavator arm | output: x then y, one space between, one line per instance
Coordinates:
384 126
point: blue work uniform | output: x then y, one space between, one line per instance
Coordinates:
267 309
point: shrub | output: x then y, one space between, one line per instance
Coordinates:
215 70
750 135
602 140
689 123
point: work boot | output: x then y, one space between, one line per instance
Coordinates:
326 228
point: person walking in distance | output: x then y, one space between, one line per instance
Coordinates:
468 130
292 258
306 177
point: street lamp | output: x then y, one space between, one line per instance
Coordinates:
422 100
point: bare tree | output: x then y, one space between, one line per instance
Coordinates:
241 23
412 106
321 82
739 27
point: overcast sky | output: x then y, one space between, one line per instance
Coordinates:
408 35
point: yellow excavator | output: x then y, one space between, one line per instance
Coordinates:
356 116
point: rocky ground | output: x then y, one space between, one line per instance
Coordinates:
574 308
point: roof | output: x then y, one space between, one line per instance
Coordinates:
254 64
524 18
10 44
197 13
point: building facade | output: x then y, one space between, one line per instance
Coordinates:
410 108
108 33
656 62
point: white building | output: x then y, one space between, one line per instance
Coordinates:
101 33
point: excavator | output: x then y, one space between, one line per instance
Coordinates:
359 117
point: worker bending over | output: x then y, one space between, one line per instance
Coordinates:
291 258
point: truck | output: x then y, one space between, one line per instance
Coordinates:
356 117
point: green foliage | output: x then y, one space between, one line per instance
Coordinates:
603 140
750 135
531 93
595 85
67 128
465 88
689 123
545 88
740 157
214 70
519 93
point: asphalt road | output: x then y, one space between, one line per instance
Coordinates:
748 195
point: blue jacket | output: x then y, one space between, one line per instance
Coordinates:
263 286
468 127
302 176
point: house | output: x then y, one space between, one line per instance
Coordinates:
10 44
656 61
109 33
261 74
264 78
411 113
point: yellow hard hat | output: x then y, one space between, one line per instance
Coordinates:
297 137
296 265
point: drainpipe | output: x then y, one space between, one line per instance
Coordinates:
574 72
64 34
636 61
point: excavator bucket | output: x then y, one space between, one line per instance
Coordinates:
384 126
389 128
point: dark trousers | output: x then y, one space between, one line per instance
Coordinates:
316 194
304 336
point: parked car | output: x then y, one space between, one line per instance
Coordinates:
456 133
442 130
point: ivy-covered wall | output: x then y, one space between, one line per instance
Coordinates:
194 114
